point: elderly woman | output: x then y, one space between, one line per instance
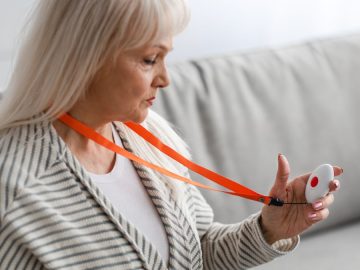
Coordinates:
69 203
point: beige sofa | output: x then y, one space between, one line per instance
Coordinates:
238 111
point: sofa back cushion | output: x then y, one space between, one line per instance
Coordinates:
237 112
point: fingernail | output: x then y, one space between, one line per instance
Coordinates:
281 157
337 185
317 205
313 216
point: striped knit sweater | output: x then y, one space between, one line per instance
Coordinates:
52 216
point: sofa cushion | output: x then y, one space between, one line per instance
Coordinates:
238 111
329 250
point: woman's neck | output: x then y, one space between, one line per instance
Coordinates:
92 156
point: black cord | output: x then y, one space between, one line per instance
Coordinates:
279 202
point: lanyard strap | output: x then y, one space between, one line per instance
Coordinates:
236 188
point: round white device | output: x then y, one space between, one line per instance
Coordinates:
318 183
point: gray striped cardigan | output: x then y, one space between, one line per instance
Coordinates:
52 216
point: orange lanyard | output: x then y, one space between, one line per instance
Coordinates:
236 188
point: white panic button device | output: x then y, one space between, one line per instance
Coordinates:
318 183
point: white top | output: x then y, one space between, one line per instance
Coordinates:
123 187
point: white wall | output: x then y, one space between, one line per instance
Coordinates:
222 26
12 17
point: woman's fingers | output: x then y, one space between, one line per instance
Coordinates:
324 202
282 176
337 170
319 210
316 216
334 185
282 172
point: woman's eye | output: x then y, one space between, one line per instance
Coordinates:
149 61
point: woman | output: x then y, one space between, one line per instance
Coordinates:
67 202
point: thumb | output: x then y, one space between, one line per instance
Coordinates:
282 176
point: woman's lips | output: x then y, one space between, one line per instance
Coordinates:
150 100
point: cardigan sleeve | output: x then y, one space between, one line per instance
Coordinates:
240 246
234 246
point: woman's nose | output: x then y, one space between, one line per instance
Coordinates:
162 79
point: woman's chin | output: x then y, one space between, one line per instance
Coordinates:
141 117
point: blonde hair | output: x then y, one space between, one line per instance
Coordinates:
67 43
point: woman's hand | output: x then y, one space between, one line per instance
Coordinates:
292 219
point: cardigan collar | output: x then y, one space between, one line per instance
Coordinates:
160 195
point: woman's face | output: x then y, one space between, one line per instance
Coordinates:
124 89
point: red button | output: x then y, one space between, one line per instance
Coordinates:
314 182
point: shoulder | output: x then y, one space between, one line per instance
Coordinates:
22 142
166 132
23 156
